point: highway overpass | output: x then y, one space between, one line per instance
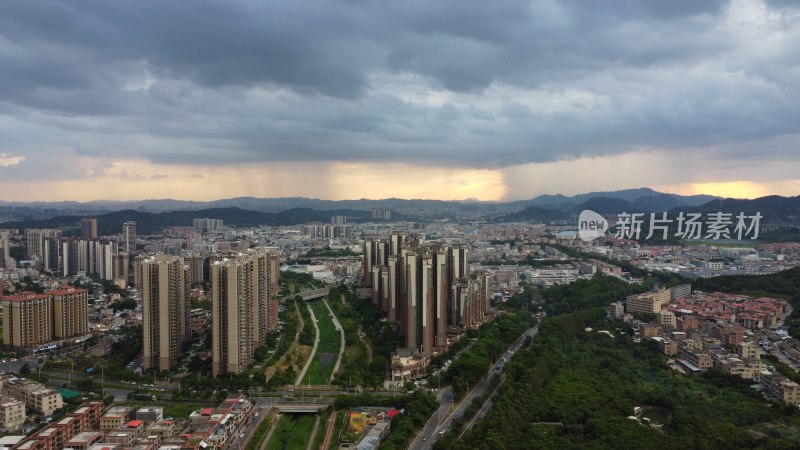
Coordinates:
288 408
316 293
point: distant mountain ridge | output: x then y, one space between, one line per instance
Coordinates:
625 194
146 223
294 210
774 209
279 204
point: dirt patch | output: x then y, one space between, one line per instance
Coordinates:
297 358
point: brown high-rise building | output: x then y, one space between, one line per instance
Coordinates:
243 307
266 272
70 312
52 259
165 311
120 269
470 297
5 248
195 262
138 271
231 316
89 228
27 320
34 319
128 242
440 283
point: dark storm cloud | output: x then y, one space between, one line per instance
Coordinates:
210 43
318 47
467 82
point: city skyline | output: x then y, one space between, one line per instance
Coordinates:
362 224
492 101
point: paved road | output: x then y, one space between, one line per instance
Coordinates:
315 293
423 439
338 326
366 344
430 433
120 395
313 350
329 431
487 405
314 432
15 366
256 417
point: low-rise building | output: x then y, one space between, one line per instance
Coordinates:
667 318
137 427
407 366
669 347
163 429
89 415
699 359
780 387
150 414
12 413
9 442
648 302
749 350
115 418
736 366
680 291
677 335
35 395
651 329
691 344
729 333
84 440
122 437
616 310
109 446
687 323
55 435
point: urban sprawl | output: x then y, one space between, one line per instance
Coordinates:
105 336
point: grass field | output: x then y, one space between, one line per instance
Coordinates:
292 433
329 340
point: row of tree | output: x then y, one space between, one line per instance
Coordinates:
493 341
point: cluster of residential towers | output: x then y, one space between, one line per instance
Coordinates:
244 307
427 288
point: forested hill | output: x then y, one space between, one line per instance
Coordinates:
785 284
146 223
575 388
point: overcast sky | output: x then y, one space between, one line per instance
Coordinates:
133 99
